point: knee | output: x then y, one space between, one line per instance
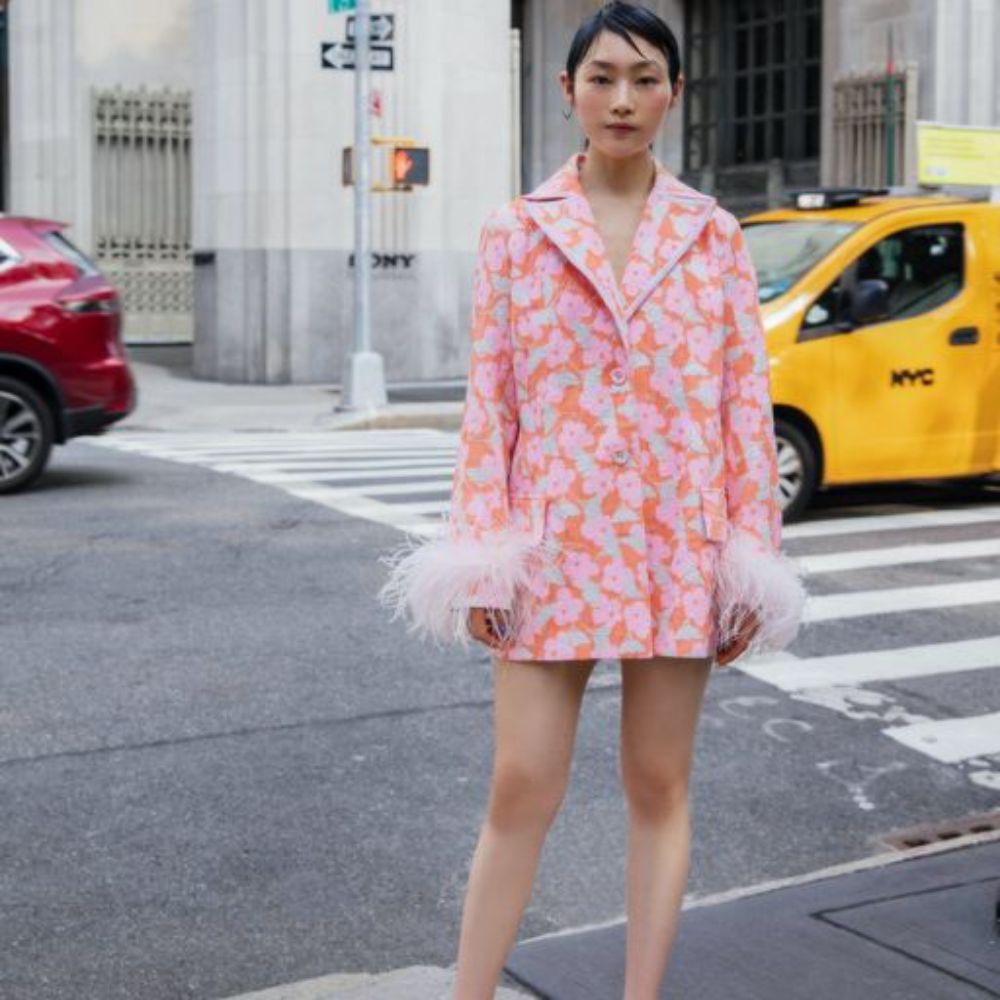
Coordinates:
525 794
655 791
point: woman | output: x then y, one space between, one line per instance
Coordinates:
616 491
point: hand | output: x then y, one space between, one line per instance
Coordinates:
749 623
492 626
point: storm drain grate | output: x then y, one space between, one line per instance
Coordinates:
949 829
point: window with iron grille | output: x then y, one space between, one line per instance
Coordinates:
753 81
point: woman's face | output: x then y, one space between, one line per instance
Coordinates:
616 85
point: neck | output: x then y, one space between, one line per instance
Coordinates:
624 177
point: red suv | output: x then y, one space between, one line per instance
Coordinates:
63 368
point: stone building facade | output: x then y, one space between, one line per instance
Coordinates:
195 147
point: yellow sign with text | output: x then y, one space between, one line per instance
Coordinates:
957 154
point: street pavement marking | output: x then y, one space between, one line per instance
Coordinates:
892 600
905 662
887 522
951 741
898 555
325 474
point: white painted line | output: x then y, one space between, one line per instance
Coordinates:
791 674
427 506
885 522
951 740
859 604
333 477
325 448
340 458
354 505
330 464
898 555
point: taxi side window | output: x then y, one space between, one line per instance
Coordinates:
923 267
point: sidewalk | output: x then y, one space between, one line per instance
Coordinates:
915 925
172 399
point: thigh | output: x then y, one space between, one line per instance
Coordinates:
661 701
535 712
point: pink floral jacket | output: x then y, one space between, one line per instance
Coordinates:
616 486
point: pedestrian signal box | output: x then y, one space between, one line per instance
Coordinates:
408 164
411 165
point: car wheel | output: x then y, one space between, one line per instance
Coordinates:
26 433
798 469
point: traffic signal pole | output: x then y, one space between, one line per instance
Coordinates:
363 384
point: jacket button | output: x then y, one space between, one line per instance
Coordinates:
621 457
618 376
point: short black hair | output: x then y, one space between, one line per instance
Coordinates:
626 19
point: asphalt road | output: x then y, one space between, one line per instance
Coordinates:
222 769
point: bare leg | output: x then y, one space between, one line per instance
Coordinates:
536 709
661 701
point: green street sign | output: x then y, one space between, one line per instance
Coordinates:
338 5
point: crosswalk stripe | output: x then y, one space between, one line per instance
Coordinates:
932 659
898 555
400 472
238 443
858 604
304 465
885 522
282 454
951 740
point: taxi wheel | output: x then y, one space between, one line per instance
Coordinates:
798 469
26 433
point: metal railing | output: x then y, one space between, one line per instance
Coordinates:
874 128
142 207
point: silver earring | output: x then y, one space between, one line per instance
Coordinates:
567 113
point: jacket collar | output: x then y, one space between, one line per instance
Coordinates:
672 218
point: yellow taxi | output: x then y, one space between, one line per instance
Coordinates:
882 314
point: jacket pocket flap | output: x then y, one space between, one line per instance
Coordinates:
714 515
527 514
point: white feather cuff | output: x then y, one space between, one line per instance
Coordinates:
769 583
436 580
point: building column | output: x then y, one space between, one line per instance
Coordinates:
241 189
48 116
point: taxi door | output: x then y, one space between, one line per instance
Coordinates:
909 389
989 239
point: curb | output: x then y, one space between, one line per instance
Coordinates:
415 982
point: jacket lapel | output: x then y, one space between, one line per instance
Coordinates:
672 218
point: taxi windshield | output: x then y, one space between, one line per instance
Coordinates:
783 251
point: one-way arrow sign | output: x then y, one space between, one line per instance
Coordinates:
382 27
340 55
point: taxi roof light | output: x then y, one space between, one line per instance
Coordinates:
819 198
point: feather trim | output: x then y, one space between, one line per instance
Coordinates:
767 582
436 580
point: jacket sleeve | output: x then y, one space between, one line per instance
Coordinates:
752 570
478 558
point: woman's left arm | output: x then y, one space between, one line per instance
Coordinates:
753 573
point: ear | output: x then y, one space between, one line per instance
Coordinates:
678 89
567 85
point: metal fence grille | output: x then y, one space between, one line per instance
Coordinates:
142 207
863 107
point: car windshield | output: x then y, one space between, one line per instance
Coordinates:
783 251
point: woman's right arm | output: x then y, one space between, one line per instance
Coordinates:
477 561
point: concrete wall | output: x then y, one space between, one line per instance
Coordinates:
59 51
275 302
953 42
